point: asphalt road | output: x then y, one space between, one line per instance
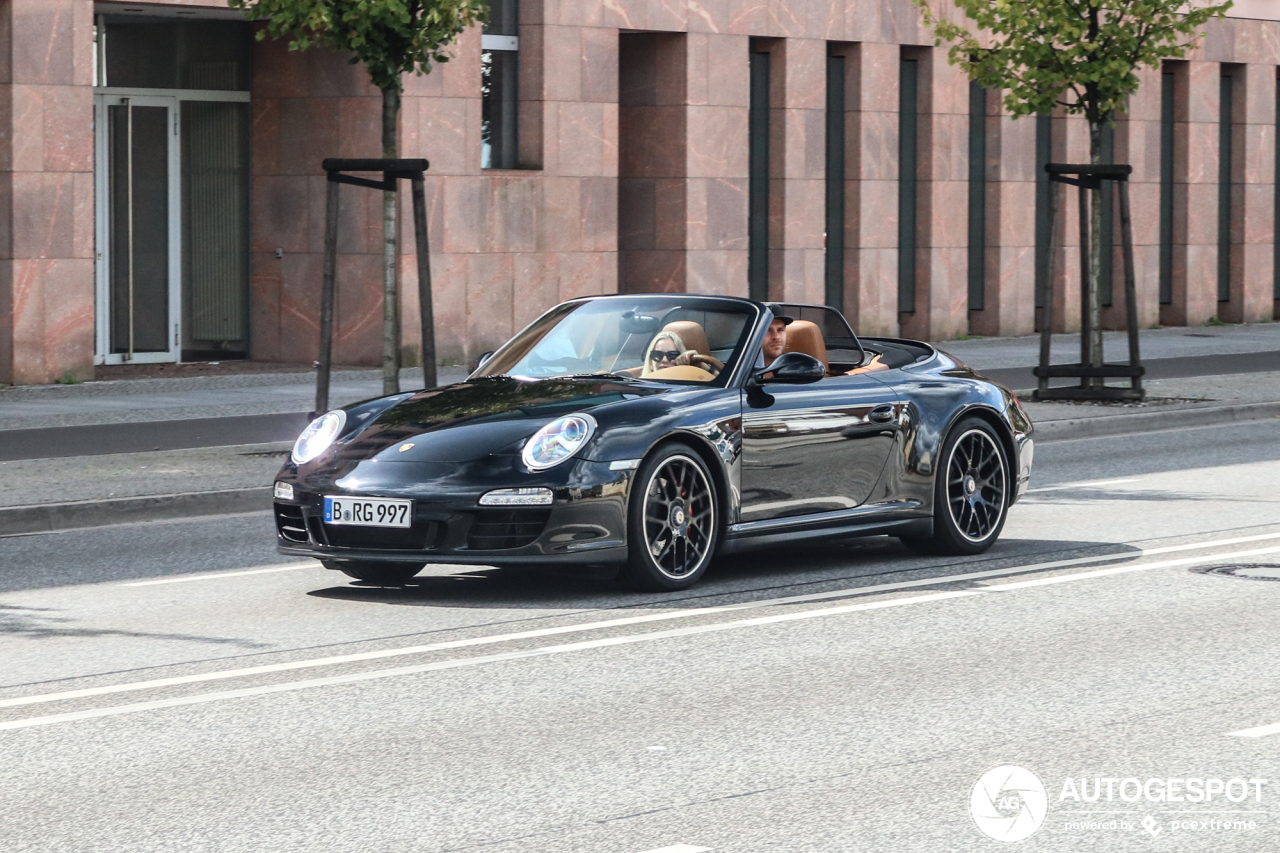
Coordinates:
177 686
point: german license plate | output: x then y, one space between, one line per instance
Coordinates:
368 512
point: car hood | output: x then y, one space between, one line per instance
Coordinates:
471 420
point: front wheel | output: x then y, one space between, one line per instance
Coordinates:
373 571
971 492
672 521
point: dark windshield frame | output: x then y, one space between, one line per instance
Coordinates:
657 304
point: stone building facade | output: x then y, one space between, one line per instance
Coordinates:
161 196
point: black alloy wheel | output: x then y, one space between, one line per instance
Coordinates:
672 521
387 574
971 493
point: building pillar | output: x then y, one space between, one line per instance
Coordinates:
942 288
1011 232
719 96
871 195
1195 229
1252 196
47 320
800 135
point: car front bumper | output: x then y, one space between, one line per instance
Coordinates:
585 524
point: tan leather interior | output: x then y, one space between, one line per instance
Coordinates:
693 335
804 336
681 371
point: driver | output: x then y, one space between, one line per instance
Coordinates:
668 350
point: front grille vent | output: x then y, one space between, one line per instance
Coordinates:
290 524
500 529
415 538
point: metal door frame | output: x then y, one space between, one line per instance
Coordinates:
102 227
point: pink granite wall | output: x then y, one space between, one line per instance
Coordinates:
46 190
508 244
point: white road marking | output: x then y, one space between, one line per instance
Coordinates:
458 663
213 577
1260 731
495 639
680 848
1088 484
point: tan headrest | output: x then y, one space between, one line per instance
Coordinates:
693 335
806 337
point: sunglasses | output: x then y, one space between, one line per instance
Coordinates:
669 355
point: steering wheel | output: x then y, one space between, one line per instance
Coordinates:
701 360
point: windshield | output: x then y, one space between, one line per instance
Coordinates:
662 338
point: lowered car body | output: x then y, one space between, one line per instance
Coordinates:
662 467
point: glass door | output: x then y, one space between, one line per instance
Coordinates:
138 254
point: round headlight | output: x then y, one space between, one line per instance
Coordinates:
557 441
318 435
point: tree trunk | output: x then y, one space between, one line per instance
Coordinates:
1095 258
390 255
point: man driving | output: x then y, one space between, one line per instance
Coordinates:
775 343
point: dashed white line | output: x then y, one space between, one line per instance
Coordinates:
293 567
1088 484
680 848
351 678
1259 731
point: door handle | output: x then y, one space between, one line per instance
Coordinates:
881 414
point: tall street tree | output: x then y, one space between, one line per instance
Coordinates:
1080 55
391 38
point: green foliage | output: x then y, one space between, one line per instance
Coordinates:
1077 54
1214 321
391 37
68 378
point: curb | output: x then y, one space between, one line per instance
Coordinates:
1154 421
46 518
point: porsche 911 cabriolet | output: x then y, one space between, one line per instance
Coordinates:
654 432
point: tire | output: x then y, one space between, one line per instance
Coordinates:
972 486
389 574
673 521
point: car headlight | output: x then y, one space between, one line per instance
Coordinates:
318 435
557 441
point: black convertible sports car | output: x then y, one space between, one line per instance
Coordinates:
645 431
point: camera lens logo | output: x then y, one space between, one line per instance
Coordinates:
1008 803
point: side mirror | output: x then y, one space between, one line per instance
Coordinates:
480 361
791 368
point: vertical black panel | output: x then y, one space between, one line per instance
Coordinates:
908 131
1044 151
1106 237
1167 83
1224 189
977 197
758 178
835 183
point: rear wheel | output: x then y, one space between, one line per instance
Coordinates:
971 492
374 571
671 521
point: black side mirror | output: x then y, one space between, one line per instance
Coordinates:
480 361
791 368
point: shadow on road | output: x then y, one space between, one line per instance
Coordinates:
851 564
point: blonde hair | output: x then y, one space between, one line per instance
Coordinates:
648 353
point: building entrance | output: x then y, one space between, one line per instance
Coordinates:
172 136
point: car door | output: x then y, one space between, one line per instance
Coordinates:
817 448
